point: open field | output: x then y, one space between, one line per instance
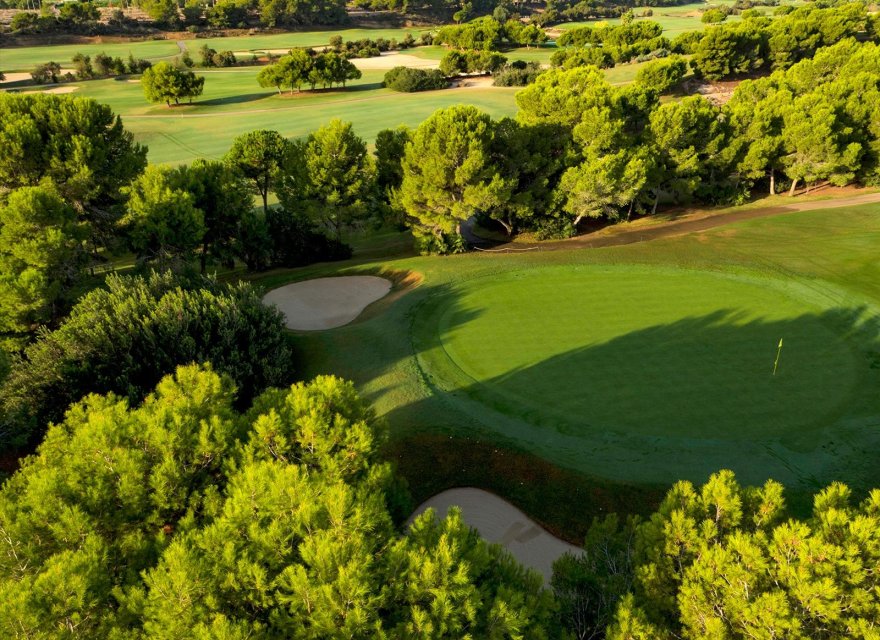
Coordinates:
233 103
605 374
674 20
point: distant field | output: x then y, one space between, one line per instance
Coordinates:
674 20
26 58
233 103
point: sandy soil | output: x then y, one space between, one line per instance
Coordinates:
391 59
499 521
325 303
473 82
68 88
17 77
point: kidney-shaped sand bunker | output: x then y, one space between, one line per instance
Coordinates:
325 303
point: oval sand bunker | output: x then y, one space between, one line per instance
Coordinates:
325 303
500 522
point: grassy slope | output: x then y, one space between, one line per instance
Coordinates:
444 439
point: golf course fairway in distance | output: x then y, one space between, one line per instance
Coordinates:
599 368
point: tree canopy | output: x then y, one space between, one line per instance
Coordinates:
163 82
196 520
126 337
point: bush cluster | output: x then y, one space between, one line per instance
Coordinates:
409 80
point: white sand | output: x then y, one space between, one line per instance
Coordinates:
65 89
17 76
391 59
324 303
499 521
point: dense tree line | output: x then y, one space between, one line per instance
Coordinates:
488 34
409 80
618 151
75 189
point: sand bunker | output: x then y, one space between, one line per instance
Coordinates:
391 59
17 77
65 89
325 303
499 521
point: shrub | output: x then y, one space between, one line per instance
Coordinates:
411 80
126 337
517 74
45 73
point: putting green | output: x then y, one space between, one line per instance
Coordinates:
649 360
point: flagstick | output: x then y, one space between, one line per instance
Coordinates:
778 351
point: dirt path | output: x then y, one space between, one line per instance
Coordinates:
624 233
500 522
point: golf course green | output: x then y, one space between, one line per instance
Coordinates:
610 373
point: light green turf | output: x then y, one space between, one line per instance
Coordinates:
643 363
674 20
233 103
26 58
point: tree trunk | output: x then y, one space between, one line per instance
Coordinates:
265 194
793 186
630 210
577 221
507 227
656 202
772 182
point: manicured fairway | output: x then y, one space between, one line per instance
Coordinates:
26 58
233 103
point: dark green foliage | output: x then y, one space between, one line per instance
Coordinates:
589 586
295 13
300 67
517 74
166 83
410 80
126 337
662 75
227 14
582 56
457 63
46 73
295 241
77 144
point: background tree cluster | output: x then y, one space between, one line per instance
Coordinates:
197 520
305 67
618 151
758 43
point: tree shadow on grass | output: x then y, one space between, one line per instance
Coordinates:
622 419
238 99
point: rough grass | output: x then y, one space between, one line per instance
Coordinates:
604 378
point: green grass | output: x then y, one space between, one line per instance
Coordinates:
604 375
674 20
26 58
233 103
